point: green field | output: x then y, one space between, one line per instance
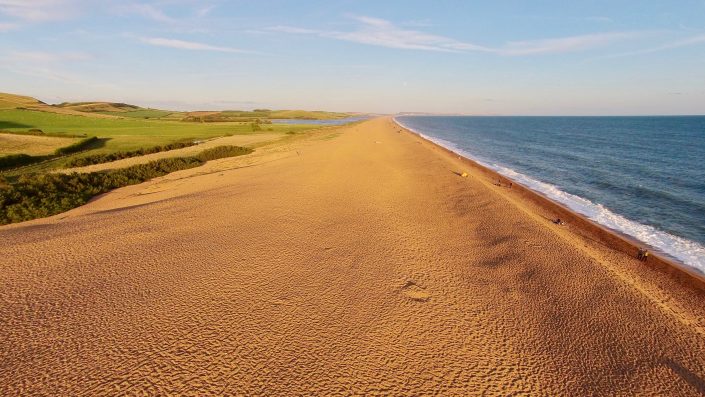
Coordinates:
129 133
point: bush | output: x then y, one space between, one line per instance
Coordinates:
109 157
76 147
35 196
222 152
17 160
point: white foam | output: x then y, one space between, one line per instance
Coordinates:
683 250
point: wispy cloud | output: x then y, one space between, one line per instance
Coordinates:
57 75
145 10
204 11
47 57
686 42
380 32
599 19
50 66
39 10
566 44
6 26
187 45
383 33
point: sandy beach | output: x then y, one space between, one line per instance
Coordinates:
349 261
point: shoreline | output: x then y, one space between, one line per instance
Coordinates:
343 259
611 238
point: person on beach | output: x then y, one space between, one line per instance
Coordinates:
645 256
640 253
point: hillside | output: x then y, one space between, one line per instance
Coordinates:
14 101
11 101
98 107
102 109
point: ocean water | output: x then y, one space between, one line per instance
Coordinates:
641 176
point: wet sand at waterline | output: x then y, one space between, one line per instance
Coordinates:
347 261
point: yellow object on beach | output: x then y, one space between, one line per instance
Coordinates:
464 174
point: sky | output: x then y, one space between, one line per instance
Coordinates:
466 57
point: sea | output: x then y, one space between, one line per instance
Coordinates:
640 176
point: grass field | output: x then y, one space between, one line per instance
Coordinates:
129 133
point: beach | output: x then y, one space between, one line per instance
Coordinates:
359 259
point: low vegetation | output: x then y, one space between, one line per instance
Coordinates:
49 194
35 196
19 160
114 156
222 152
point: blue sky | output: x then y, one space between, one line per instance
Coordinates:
499 57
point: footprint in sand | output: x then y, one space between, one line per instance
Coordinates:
415 292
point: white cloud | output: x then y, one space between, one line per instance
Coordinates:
689 41
187 45
50 66
144 10
39 10
204 11
293 30
599 19
42 57
566 44
380 32
6 26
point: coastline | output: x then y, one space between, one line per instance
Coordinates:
614 239
351 260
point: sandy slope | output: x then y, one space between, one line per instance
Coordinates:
349 264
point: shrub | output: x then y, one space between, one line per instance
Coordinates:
220 152
17 160
35 196
109 157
